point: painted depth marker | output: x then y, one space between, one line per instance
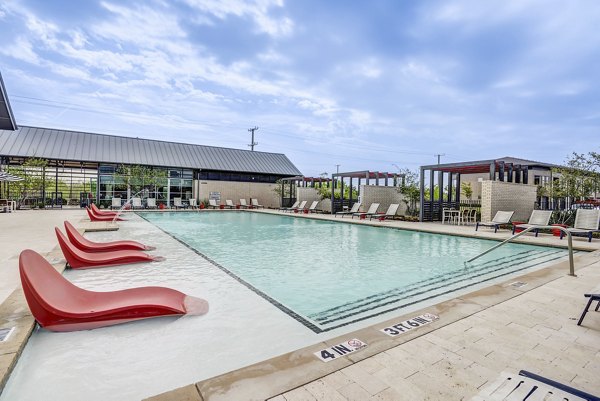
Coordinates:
343 349
409 324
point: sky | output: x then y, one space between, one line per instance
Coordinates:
351 85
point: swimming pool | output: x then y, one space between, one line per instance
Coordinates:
327 275
243 326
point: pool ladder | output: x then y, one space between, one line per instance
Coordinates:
564 230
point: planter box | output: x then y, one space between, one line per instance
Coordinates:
516 223
556 233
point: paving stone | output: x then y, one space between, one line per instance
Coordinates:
323 392
337 380
364 379
354 392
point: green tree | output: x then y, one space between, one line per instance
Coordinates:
137 178
409 188
467 190
578 179
32 185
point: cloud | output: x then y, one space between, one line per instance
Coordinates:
257 10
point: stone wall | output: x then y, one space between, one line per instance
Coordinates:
310 194
382 195
499 195
265 193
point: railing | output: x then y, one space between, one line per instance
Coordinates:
564 230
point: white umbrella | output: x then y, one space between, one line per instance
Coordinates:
9 177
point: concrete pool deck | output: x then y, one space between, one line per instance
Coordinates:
504 327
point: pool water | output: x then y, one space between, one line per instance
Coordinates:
327 274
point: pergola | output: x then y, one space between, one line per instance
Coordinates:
299 181
506 169
359 176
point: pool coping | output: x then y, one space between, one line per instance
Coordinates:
278 375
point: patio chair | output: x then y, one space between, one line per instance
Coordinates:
58 305
89 246
115 203
313 207
78 259
95 217
244 205
193 203
391 212
529 386
586 222
294 206
372 210
151 203
99 212
301 206
178 204
500 218
593 296
254 203
136 203
353 210
213 203
538 218
229 204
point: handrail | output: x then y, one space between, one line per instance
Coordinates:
564 230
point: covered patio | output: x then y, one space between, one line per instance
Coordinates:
447 178
347 179
289 185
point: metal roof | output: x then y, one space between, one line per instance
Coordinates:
7 119
483 166
89 147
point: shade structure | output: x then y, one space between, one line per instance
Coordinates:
4 176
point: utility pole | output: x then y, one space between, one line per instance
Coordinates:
337 168
252 143
440 155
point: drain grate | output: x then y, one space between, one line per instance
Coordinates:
518 284
5 333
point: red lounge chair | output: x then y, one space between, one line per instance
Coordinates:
89 246
59 305
94 217
99 212
79 259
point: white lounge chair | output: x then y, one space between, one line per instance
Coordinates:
115 203
136 203
353 210
193 203
244 204
229 204
301 206
255 204
313 207
500 218
586 222
372 210
391 212
151 203
295 205
537 218
213 203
